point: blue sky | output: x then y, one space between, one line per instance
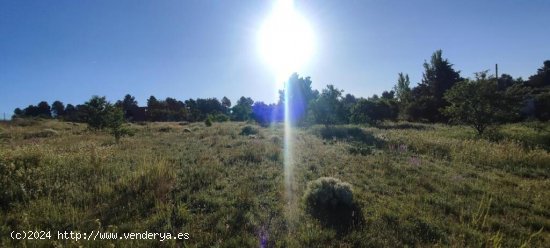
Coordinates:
70 50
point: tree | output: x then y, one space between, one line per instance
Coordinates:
327 107
347 103
264 114
172 109
403 95
30 110
115 119
479 104
243 109
374 109
155 109
505 81
542 105
58 109
540 91
129 106
44 109
388 95
71 113
101 114
364 111
402 89
192 110
427 98
297 95
388 106
152 102
226 103
97 113
542 77
18 113
209 106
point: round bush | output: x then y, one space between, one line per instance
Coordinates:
249 130
328 192
331 201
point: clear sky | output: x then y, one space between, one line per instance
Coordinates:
70 50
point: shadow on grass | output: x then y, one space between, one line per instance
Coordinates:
343 219
400 126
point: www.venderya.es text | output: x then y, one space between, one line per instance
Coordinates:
96 235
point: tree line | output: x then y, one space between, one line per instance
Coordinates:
442 96
169 109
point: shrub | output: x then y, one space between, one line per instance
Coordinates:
208 121
331 202
115 119
479 104
249 130
98 112
121 132
220 118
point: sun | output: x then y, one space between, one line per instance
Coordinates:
286 40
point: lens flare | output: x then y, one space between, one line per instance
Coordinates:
288 163
286 43
286 40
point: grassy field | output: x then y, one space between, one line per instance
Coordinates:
415 184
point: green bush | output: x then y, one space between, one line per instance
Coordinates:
220 118
121 132
249 130
98 113
331 201
208 121
115 119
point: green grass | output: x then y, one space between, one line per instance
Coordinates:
415 184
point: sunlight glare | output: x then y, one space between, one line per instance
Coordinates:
286 40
